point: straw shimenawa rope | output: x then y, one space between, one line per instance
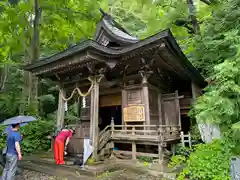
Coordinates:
79 91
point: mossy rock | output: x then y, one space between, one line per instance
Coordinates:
91 161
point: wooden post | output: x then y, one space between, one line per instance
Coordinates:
134 148
61 111
160 114
182 139
112 131
190 140
178 109
173 149
160 148
94 116
146 100
124 104
112 126
160 153
145 97
196 91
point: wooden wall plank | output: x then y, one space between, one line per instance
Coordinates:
110 100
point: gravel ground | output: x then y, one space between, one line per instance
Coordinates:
117 175
30 175
125 175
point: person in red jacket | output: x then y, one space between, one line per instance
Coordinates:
60 145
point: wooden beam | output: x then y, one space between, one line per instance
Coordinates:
129 153
109 91
169 66
85 82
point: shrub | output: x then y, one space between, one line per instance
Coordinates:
177 160
35 136
208 162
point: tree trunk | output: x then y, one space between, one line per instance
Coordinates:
30 90
192 16
35 56
3 77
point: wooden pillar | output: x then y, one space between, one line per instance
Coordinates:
94 116
178 109
124 104
112 131
160 154
160 114
196 91
61 110
134 147
146 96
173 149
160 146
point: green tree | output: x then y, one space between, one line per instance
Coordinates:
219 59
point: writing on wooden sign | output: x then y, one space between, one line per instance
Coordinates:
134 113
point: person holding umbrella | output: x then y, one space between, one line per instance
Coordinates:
13 149
13 153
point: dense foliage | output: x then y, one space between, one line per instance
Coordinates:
208 161
216 54
220 50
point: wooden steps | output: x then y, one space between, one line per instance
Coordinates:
106 151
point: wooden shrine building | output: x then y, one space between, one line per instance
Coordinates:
134 92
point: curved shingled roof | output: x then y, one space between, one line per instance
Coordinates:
113 31
118 32
107 51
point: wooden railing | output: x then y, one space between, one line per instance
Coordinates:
145 133
104 137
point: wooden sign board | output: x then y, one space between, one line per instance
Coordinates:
134 113
110 100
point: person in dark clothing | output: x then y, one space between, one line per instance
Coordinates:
13 153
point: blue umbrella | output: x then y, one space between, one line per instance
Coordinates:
9 128
18 120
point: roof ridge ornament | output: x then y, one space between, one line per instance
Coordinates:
103 13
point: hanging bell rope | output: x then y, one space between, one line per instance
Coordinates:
79 90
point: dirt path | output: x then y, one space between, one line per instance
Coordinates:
125 175
31 175
117 175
